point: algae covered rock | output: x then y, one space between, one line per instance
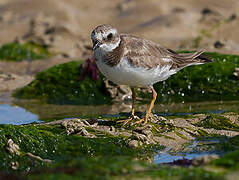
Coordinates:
218 122
62 84
213 81
47 151
39 145
15 51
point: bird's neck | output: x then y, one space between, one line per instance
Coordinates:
110 47
114 56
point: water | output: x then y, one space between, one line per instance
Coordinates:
197 149
165 157
16 115
32 111
23 112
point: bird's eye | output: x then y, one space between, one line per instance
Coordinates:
109 36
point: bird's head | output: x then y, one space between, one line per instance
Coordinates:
105 38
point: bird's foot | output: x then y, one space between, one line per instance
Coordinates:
142 121
130 119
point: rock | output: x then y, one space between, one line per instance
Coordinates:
108 129
133 144
35 157
236 72
117 92
207 11
77 126
210 16
232 17
14 165
44 31
140 137
144 134
204 160
218 44
112 129
67 87
146 130
156 119
125 133
10 82
12 148
84 132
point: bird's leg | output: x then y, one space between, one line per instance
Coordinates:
133 101
132 117
145 119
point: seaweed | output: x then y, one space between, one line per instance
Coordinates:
27 51
61 85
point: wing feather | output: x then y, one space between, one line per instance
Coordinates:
144 53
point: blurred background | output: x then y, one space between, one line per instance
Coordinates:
64 26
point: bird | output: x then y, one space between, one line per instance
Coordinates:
137 62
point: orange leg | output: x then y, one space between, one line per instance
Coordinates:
133 101
132 117
145 119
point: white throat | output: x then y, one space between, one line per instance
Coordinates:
109 47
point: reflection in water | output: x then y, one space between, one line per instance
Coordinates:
165 157
197 149
52 111
36 111
16 115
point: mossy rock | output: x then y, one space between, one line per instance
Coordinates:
231 159
27 51
218 122
79 157
212 81
60 84
52 142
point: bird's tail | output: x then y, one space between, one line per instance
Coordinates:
197 57
182 60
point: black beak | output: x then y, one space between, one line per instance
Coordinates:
96 44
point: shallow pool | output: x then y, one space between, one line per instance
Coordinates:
16 115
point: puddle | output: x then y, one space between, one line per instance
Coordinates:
33 111
164 157
197 149
16 115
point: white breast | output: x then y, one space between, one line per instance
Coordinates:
125 74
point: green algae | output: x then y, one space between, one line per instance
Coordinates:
231 159
180 135
51 142
60 84
212 81
229 144
201 132
217 122
77 157
234 142
125 169
28 51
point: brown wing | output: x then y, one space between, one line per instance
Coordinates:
183 60
145 53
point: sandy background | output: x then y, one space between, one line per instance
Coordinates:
65 26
